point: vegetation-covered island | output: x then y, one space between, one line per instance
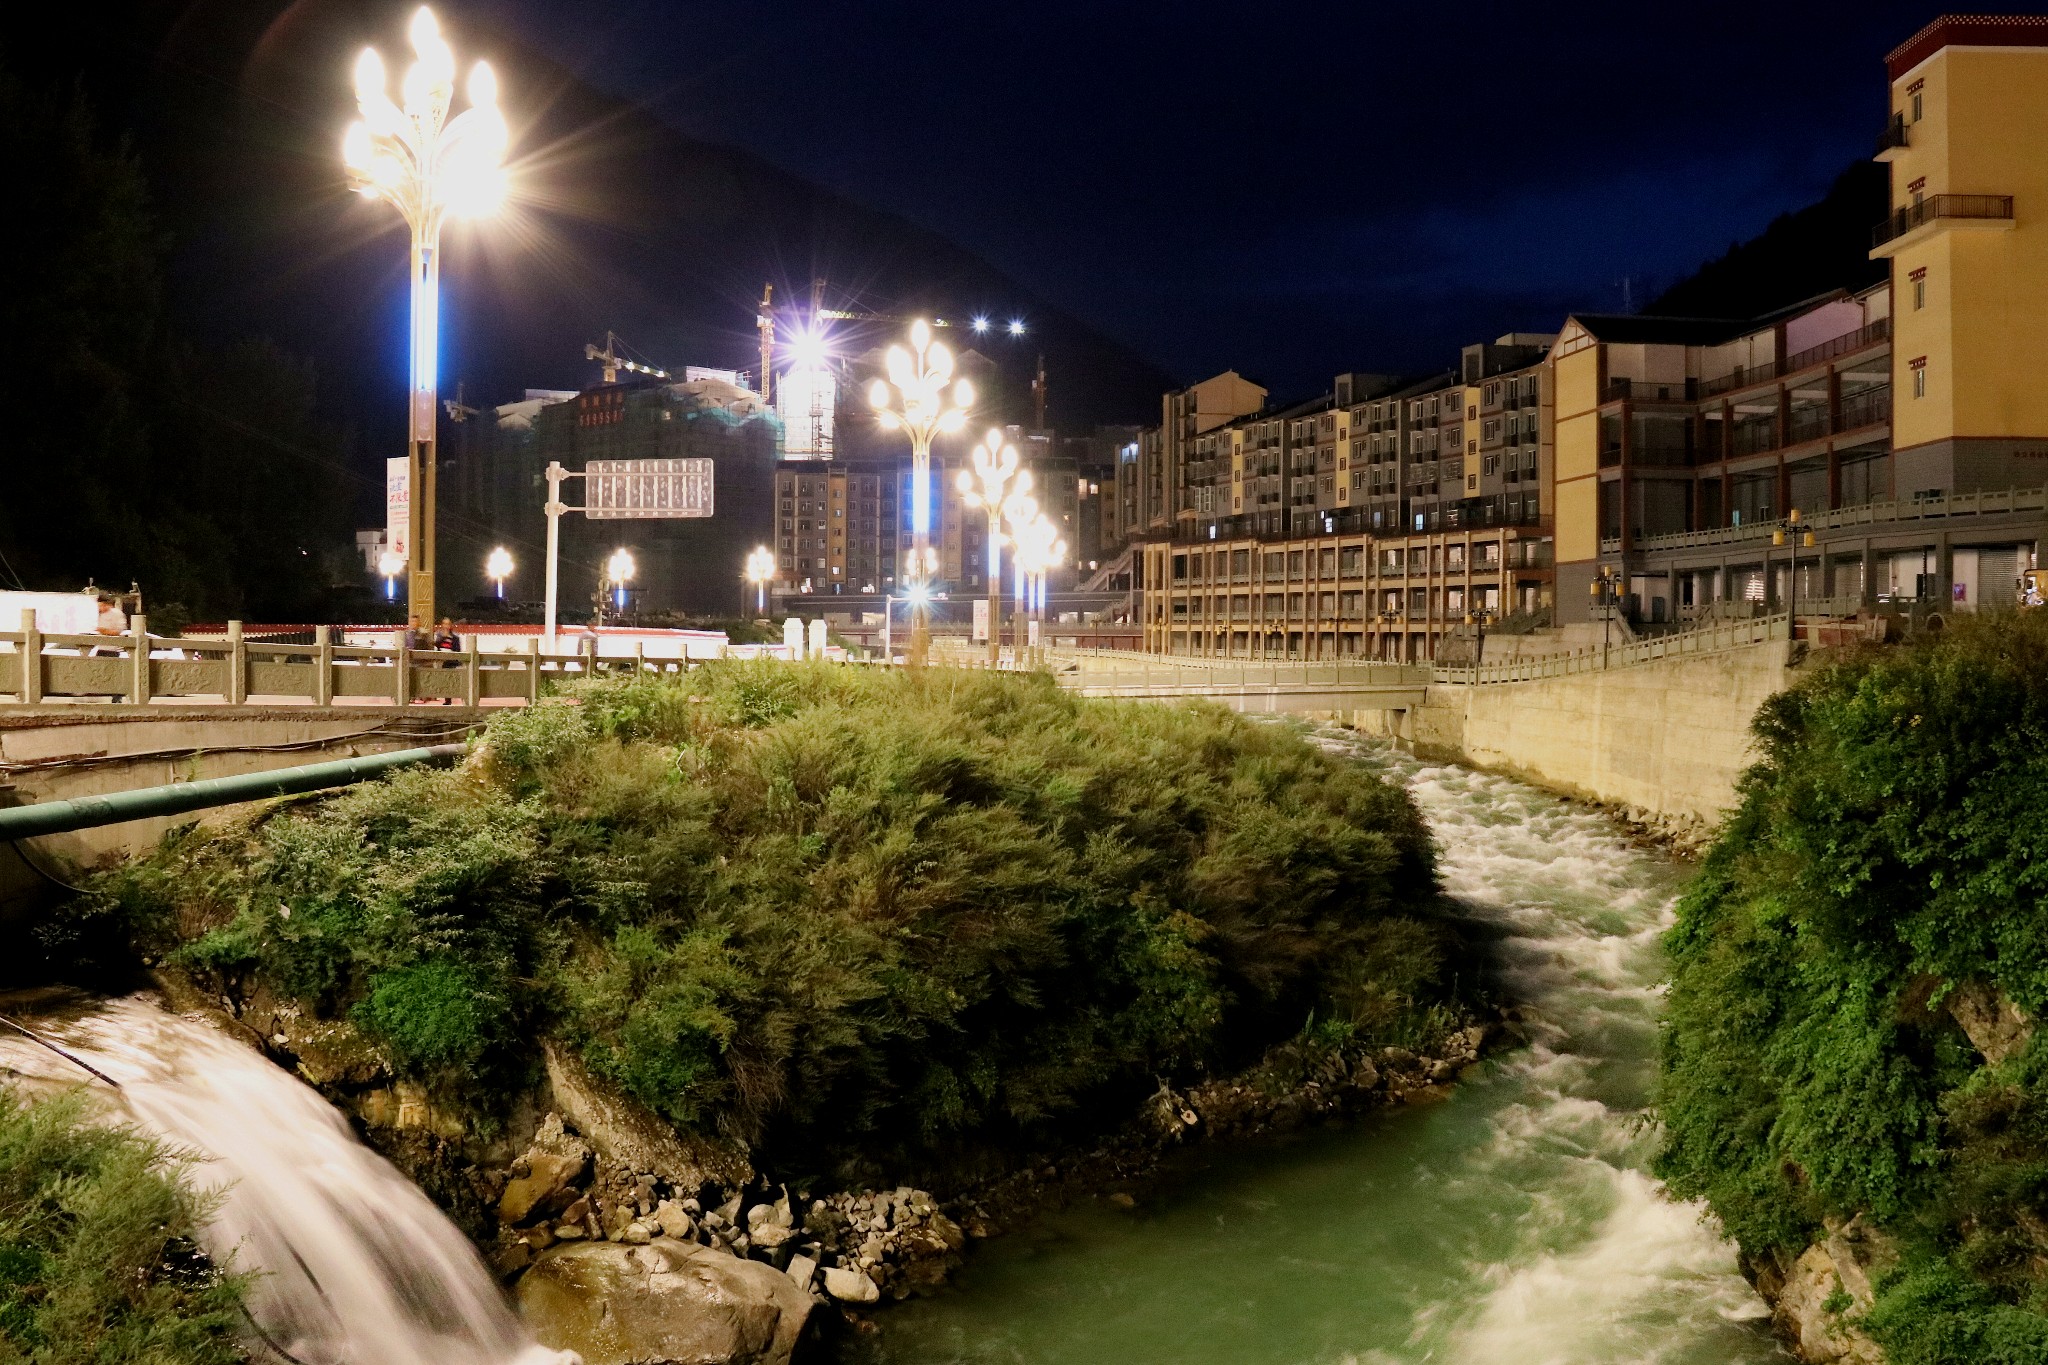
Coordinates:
839 936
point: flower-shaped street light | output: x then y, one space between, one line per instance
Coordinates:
429 167
498 568
760 571
921 399
993 484
1039 550
390 565
618 572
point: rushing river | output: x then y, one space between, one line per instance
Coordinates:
352 1265
1513 1224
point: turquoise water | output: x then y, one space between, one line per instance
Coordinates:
1510 1225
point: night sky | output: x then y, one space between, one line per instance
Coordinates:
1288 188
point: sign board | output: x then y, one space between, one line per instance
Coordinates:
646 489
981 618
398 506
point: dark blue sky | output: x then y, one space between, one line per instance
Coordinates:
1287 188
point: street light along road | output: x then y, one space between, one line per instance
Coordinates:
429 167
922 399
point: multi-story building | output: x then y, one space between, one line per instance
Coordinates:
1341 595
497 489
1425 494
1893 421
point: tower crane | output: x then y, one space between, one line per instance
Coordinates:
608 356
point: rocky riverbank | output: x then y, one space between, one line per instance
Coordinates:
628 1244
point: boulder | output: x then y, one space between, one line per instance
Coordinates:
665 1303
629 1135
1996 1026
546 1189
851 1286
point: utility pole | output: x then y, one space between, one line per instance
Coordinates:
764 323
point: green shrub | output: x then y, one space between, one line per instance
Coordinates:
815 907
97 1261
1888 850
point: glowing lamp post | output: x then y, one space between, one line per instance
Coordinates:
498 568
390 564
993 484
429 167
922 399
760 572
1039 550
618 572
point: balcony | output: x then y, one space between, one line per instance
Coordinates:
1647 391
1993 211
1870 335
1892 139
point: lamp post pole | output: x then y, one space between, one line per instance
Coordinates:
922 399
429 167
994 483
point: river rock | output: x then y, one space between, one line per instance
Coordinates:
627 1134
546 1189
851 1286
669 1302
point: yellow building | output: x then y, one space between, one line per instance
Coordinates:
1968 246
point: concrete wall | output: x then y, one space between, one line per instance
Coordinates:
1665 740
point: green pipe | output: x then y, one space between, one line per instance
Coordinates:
57 817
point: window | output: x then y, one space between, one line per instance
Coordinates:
1919 278
1919 109
1920 378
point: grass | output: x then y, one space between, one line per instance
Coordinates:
97 1260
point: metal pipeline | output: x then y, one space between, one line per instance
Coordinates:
85 812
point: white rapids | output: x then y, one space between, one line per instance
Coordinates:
1514 1224
352 1264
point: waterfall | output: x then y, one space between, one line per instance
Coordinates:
353 1265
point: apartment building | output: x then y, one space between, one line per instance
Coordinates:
842 527
1335 596
1896 422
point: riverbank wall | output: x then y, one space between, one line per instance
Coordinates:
1661 742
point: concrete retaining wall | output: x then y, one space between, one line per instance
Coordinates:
1666 741
54 753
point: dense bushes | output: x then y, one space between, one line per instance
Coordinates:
1886 868
97 1263
825 910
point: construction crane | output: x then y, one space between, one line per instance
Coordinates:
608 356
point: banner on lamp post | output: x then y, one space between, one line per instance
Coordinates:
398 507
981 618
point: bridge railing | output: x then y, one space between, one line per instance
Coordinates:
138 668
1715 639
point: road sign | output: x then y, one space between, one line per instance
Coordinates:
646 489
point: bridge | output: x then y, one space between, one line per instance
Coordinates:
88 716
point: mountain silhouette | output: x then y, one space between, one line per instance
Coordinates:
620 222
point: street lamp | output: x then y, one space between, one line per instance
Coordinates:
994 483
922 399
1039 549
498 568
1606 591
760 570
390 564
618 571
1795 541
428 167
